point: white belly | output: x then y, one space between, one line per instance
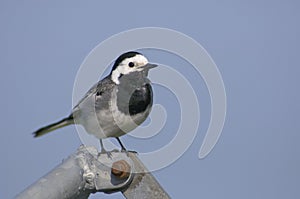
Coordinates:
109 122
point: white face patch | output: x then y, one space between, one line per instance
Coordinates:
129 65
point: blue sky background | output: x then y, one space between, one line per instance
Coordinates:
254 43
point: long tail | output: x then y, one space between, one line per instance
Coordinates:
64 122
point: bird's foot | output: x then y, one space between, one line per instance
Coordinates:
123 150
108 153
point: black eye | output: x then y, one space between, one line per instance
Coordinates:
131 64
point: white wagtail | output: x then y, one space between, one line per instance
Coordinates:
115 105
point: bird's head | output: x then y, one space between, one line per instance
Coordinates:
129 62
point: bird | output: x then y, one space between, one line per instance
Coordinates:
115 105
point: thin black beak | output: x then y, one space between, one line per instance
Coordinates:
149 66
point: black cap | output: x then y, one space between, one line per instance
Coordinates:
122 57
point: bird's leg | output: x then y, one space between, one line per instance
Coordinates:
123 149
122 146
102 146
103 151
